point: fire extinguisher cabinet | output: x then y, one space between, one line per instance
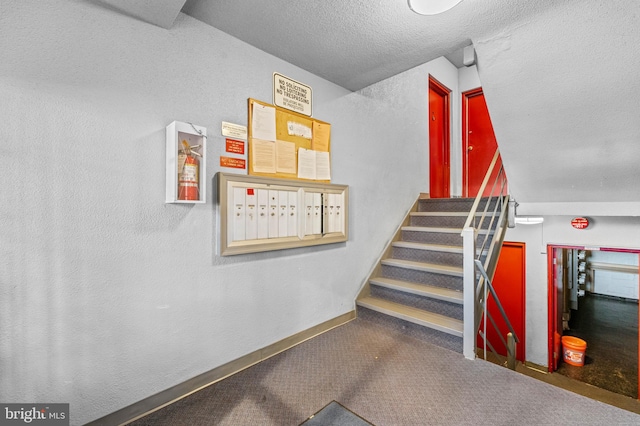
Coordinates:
186 163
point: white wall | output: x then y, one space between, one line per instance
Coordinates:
561 87
613 283
468 78
604 231
407 95
107 294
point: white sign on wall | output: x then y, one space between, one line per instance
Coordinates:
291 94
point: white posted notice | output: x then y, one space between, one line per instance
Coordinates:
263 122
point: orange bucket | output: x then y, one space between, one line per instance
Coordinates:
574 350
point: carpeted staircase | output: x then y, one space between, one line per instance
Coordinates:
417 285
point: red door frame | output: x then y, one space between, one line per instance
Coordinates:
553 300
465 138
439 151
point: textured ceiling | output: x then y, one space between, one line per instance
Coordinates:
157 12
359 42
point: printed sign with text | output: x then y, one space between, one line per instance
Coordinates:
291 94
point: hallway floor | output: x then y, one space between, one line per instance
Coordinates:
610 328
388 378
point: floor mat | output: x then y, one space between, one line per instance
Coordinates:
335 414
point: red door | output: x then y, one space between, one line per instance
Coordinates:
439 168
478 143
509 283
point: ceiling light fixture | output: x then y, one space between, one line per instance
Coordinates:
431 7
529 220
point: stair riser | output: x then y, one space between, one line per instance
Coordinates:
438 221
407 328
446 221
452 310
452 205
443 238
428 256
434 279
451 239
445 205
480 239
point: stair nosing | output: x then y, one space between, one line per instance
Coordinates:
432 229
425 267
425 290
417 316
447 214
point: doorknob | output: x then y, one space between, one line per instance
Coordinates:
470 148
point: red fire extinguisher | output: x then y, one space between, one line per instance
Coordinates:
188 174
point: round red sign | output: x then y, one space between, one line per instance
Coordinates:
580 222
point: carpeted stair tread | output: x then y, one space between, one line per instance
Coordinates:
424 290
425 246
418 283
417 316
425 267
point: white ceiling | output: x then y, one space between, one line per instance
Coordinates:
559 76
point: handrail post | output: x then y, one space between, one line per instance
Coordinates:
469 284
511 351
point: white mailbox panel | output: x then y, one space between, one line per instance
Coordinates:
262 214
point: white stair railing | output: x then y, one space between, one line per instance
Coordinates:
479 262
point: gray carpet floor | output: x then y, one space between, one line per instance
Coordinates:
387 378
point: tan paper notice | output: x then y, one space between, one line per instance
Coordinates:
321 136
285 157
263 156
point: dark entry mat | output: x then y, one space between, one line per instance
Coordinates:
335 414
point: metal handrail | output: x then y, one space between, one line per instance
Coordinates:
478 274
476 202
496 299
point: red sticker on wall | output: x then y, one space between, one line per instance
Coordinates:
235 146
236 163
250 191
580 222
